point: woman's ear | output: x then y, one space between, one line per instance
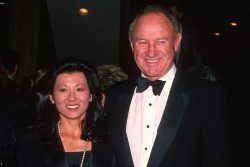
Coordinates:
90 99
51 99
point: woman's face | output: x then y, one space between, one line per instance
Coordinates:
71 95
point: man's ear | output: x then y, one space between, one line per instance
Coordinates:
132 46
177 41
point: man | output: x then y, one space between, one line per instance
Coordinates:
183 125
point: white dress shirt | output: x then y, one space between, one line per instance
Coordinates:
144 117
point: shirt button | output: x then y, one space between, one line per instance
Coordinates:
146 148
147 126
150 104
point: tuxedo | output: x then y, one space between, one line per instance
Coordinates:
193 131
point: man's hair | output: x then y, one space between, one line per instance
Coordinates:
156 8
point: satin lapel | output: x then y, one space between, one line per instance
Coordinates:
174 111
123 104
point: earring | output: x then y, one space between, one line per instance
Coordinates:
90 99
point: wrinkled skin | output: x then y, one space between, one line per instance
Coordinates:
154 45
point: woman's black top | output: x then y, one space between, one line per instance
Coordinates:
32 151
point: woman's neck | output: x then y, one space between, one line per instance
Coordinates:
70 134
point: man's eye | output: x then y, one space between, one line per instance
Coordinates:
161 42
142 43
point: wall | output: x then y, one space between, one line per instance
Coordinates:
94 37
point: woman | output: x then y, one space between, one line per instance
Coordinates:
78 138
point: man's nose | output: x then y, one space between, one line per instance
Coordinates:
152 50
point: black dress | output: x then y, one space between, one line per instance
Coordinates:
34 151
74 158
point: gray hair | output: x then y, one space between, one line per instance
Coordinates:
155 9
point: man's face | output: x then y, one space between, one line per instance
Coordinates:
154 45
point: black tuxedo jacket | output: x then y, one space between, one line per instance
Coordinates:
193 131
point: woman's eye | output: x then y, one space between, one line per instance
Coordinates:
80 89
62 90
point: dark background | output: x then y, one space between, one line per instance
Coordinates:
44 33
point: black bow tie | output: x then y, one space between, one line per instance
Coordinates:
144 83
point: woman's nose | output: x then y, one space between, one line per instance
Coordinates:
72 95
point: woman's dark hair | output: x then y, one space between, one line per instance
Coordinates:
94 111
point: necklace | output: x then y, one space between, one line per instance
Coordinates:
85 148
